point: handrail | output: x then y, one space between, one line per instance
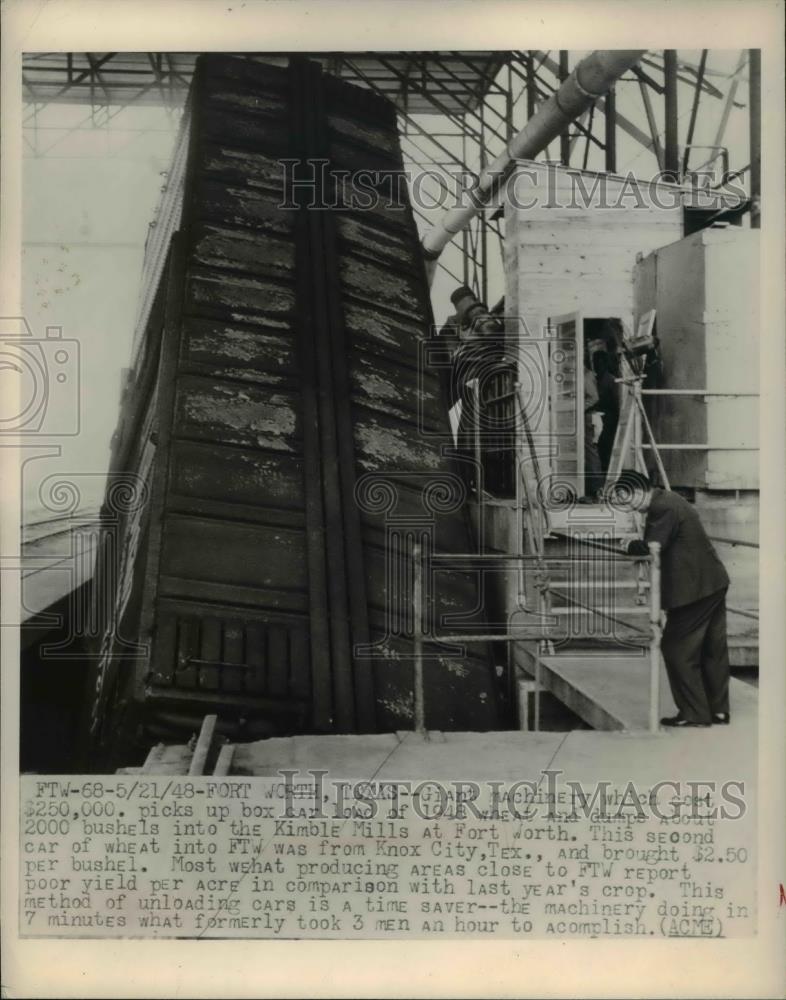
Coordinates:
744 614
696 392
656 636
598 545
421 636
595 611
634 385
512 557
417 625
734 541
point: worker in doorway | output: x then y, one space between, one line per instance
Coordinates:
593 475
693 594
608 405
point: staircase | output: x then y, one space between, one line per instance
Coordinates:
600 651
597 651
595 654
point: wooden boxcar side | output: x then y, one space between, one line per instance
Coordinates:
288 442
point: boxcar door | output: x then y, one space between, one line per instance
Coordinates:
566 400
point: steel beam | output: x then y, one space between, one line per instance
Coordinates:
695 108
466 108
671 158
610 117
648 109
564 139
733 86
585 161
532 97
754 64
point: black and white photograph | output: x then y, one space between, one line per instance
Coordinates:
392 498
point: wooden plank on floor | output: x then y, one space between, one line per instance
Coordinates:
224 762
203 745
606 691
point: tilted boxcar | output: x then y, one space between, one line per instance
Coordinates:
282 444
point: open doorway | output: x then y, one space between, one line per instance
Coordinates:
584 400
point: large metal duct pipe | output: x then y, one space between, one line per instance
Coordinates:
590 80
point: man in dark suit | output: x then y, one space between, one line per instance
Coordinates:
693 594
608 405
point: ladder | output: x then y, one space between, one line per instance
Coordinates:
627 449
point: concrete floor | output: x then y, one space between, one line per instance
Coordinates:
720 753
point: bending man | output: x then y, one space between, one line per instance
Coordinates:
693 594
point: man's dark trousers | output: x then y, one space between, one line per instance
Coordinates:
693 595
696 654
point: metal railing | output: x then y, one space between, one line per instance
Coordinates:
529 511
745 544
638 415
734 541
538 630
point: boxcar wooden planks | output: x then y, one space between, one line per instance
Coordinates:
298 444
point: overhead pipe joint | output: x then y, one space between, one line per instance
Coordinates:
591 79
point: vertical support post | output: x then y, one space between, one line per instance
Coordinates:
543 611
484 279
655 638
476 436
588 143
754 60
531 91
538 678
671 158
465 231
638 452
653 443
653 125
623 435
518 473
727 107
417 631
564 139
523 691
636 417
611 131
694 109
509 103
